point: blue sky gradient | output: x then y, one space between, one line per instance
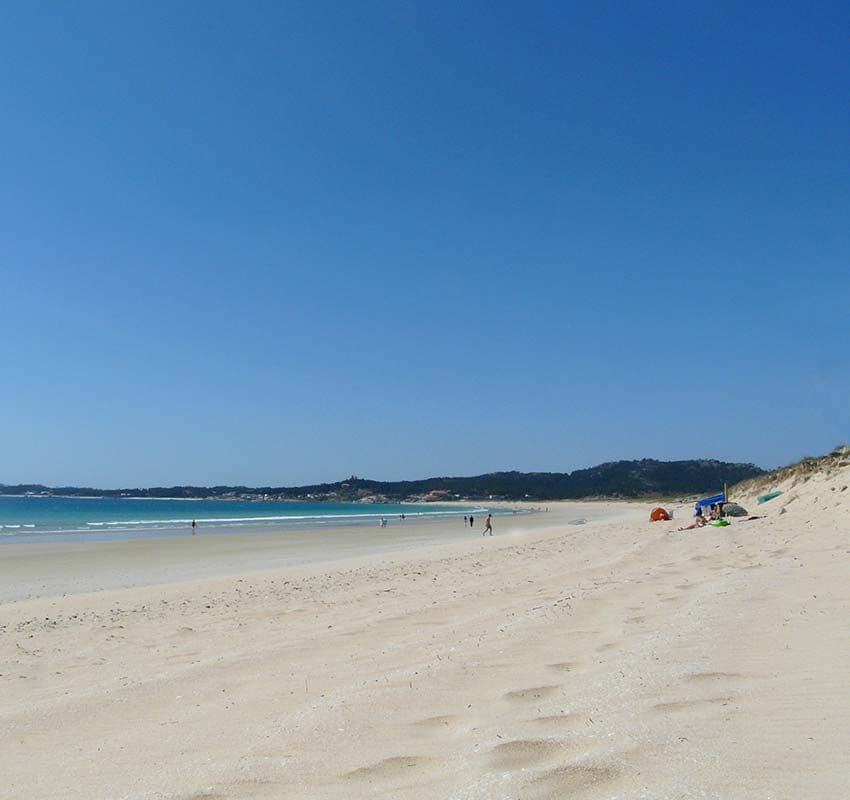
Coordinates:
283 243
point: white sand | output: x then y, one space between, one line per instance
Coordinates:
614 659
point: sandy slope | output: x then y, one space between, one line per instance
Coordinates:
610 660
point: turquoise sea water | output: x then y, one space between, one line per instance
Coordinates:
34 518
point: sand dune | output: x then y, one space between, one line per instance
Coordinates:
618 658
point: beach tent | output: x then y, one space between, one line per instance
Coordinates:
710 501
659 514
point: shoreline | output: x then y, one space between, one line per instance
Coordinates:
64 566
239 517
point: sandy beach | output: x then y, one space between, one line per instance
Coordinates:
612 659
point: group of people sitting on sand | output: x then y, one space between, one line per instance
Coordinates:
715 511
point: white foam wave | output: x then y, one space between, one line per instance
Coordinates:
279 518
112 527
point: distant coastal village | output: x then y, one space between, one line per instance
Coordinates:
613 480
348 494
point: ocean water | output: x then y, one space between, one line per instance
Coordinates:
48 518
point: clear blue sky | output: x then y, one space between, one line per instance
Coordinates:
284 242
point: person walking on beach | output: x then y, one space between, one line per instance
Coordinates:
193 527
471 520
465 520
488 525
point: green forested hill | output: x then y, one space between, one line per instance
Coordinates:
615 479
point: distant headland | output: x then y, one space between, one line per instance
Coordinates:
615 479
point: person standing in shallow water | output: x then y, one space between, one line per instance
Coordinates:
193 527
488 525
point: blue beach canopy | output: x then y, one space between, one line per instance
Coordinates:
710 501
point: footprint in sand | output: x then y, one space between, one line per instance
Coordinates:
182 658
564 666
699 677
574 780
207 796
444 722
532 693
253 788
715 679
394 769
566 721
687 705
607 646
523 753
